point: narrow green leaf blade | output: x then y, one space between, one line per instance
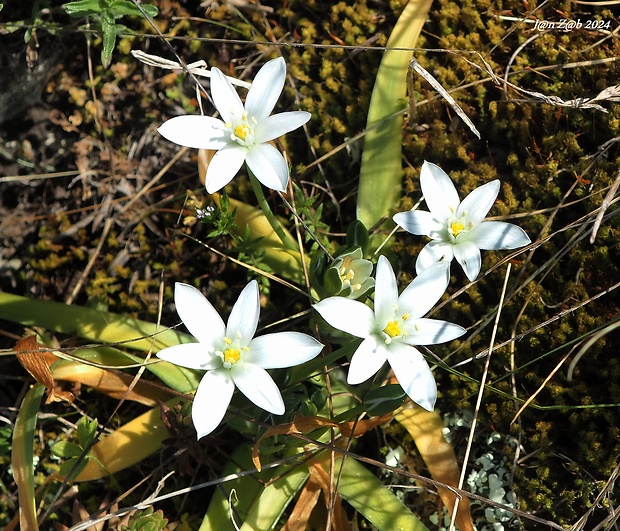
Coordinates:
88 323
381 172
22 457
104 327
379 505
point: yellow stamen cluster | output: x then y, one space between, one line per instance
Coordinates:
457 227
231 355
392 329
347 274
241 131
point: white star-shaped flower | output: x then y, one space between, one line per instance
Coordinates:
243 134
392 330
232 356
457 228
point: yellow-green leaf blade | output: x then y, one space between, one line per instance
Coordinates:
381 170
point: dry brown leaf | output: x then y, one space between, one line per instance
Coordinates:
111 383
319 471
302 425
37 362
356 429
426 428
299 425
308 497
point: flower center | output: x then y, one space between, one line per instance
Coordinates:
396 328
241 130
392 329
231 355
456 227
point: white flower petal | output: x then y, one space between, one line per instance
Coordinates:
367 360
255 383
433 253
468 255
198 314
211 401
438 190
477 204
425 290
283 349
191 355
432 332
347 315
420 222
414 375
268 166
225 97
195 131
498 235
266 89
386 291
279 124
224 166
243 318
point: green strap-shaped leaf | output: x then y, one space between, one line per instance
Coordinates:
379 505
104 327
22 457
274 499
381 172
88 323
255 507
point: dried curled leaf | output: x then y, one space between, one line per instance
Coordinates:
37 362
301 424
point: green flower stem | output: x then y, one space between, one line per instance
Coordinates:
286 240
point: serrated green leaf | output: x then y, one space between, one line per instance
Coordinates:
66 449
120 8
83 8
109 29
86 430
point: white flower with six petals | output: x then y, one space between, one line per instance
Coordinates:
392 330
232 356
244 133
457 228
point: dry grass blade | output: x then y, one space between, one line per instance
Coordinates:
588 344
604 206
480 393
540 388
612 518
444 93
197 68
